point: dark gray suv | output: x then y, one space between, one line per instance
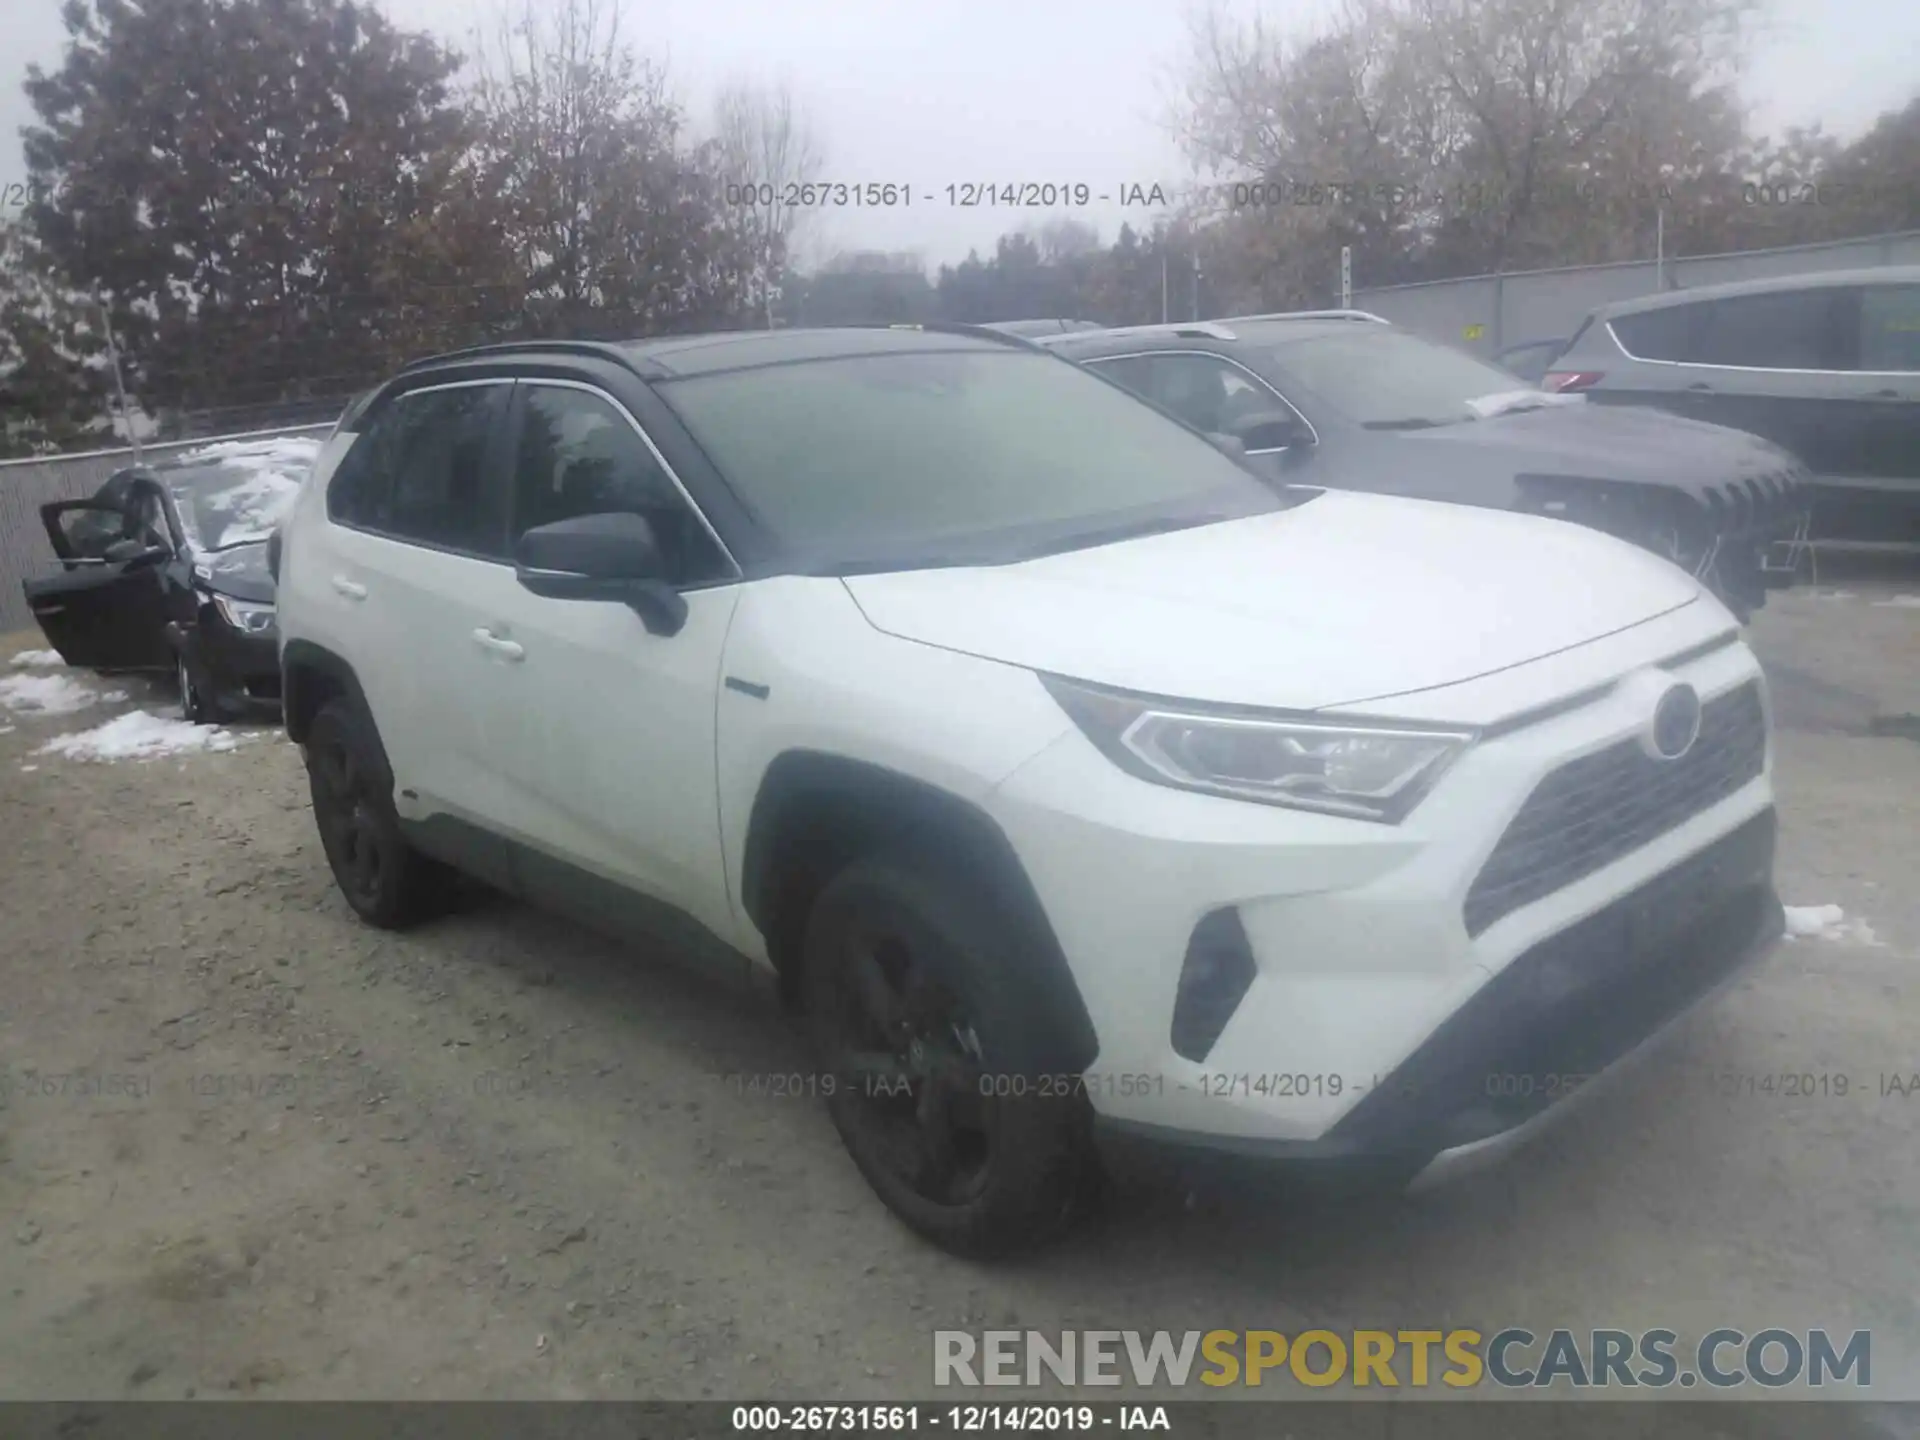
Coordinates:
1826 365
1343 400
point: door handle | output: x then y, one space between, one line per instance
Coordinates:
351 589
494 645
1700 387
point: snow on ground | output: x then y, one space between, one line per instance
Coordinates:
268 475
50 694
1833 594
1899 602
40 659
138 735
1828 922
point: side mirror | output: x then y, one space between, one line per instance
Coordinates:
1270 430
614 556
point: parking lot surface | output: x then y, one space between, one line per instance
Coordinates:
251 1147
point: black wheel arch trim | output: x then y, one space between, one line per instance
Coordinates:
834 790
301 663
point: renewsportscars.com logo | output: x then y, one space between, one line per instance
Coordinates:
1458 1359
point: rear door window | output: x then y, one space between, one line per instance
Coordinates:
1890 328
1207 392
421 471
1783 330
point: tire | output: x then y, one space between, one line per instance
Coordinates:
193 701
387 882
917 1012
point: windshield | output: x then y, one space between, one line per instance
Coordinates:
1390 380
240 491
956 456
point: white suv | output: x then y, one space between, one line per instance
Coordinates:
1081 786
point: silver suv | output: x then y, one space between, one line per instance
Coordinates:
1826 365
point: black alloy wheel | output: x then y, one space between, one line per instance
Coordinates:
907 1052
350 831
937 1058
193 704
386 881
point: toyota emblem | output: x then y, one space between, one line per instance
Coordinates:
1676 723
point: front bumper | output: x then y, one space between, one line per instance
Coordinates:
241 672
1376 1022
1430 1129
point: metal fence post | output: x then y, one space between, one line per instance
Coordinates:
119 381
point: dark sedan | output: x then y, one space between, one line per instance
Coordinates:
1344 400
164 570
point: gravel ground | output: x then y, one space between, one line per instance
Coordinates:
499 1157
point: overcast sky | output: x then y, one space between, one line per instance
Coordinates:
945 92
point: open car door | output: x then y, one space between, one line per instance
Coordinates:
107 610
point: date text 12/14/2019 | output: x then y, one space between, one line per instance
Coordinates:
904 1419
965 195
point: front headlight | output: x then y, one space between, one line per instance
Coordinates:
246 616
1368 771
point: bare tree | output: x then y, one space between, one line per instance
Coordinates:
1063 239
613 216
769 155
1441 136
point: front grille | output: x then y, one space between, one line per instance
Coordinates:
1570 1006
1763 504
1594 810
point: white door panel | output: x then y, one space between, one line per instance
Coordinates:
415 611
599 737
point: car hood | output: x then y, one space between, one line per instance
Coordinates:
1635 444
1348 598
238 570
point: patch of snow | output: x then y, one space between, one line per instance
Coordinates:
1813 919
42 659
1829 922
27 769
1897 602
46 694
138 735
1833 595
269 476
6 729
1503 401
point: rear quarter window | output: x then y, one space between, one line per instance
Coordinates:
1665 334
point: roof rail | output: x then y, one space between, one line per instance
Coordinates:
1180 329
956 327
600 349
1365 315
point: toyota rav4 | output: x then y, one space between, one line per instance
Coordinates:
1078 785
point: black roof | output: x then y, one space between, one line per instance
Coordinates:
670 356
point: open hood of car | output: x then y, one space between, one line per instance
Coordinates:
1345 599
